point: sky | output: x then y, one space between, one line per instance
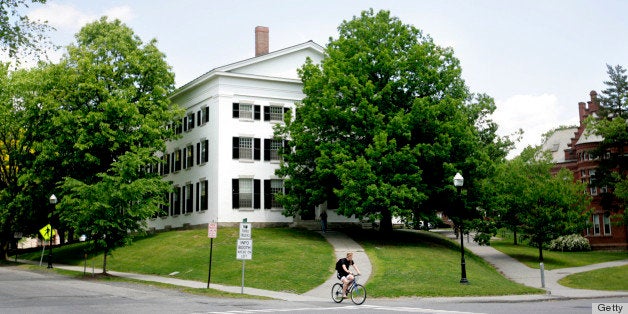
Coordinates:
536 58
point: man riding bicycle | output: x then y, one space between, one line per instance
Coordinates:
343 272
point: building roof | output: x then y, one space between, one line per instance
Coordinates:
280 64
558 142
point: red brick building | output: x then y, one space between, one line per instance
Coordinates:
572 148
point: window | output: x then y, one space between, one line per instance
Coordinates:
177 160
189 156
271 189
245 193
274 113
607 223
272 148
596 224
202 152
189 198
202 116
176 201
165 166
164 208
188 122
593 190
246 111
246 148
201 191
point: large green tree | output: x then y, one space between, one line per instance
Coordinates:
541 205
611 124
17 32
386 123
110 120
24 199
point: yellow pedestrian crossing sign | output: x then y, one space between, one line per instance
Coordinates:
46 232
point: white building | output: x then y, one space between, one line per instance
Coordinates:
223 166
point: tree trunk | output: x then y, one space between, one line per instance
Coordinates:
4 249
540 252
515 234
104 261
385 224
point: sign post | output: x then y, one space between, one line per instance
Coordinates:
244 250
212 232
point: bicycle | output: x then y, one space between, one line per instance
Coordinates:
356 291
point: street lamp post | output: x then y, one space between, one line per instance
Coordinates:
458 182
53 201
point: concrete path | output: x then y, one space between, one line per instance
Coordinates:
519 272
343 244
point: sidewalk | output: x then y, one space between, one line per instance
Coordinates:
342 244
520 273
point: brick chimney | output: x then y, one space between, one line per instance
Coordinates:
261 41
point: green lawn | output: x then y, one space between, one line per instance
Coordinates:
409 263
555 260
612 278
425 264
290 260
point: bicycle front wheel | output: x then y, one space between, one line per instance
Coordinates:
358 294
336 292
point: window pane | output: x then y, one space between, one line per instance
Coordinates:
275 146
276 113
246 111
246 193
276 187
246 148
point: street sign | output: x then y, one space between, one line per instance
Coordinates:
245 249
46 232
212 230
245 230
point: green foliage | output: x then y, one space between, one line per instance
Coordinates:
17 32
611 125
570 243
386 123
541 205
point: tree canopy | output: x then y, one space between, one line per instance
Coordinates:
612 126
17 32
96 122
543 206
386 123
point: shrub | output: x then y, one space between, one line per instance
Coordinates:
570 243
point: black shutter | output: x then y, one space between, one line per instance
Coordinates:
256 194
206 114
206 151
235 193
236 148
185 123
267 195
267 149
236 110
198 153
256 115
256 149
198 194
198 117
206 197
266 113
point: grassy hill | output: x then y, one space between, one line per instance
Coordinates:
293 260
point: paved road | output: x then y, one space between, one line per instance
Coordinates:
46 292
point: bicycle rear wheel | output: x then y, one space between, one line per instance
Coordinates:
336 292
358 294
